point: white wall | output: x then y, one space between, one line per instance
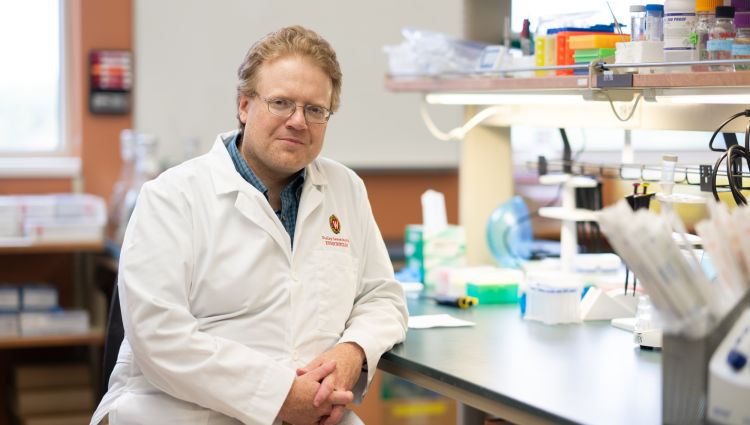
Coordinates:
187 53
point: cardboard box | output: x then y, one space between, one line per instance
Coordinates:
81 418
51 376
35 402
423 411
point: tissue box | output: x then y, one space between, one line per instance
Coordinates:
431 253
413 249
445 248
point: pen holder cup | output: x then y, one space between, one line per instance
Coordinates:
685 370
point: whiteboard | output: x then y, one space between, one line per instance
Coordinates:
187 54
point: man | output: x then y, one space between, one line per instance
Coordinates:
254 283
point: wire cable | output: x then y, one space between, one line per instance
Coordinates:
745 113
457 133
733 156
632 111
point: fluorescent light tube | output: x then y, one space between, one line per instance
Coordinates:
502 99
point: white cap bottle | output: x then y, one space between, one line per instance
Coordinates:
679 21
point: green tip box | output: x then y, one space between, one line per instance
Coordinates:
486 293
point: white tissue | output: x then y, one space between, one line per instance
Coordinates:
434 218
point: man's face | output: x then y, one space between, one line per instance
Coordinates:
276 147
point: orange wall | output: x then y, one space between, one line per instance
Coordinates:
395 196
98 25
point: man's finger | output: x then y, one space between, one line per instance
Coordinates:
341 397
301 371
337 414
325 390
321 371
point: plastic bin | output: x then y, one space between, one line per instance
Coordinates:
685 370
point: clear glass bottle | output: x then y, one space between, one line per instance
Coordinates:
637 23
721 37
706 19
119 191
146 167
741 45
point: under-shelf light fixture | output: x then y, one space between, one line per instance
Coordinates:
709 99
503 99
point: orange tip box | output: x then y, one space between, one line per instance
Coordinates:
596 41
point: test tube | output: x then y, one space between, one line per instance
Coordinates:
668 164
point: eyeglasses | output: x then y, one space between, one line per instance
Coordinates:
286 108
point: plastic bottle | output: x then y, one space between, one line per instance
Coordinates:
741 45
526 43
705 11
679 21
721 37
637 23
654 22
668 165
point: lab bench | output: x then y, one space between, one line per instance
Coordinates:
528 372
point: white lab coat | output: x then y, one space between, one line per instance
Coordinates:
219 311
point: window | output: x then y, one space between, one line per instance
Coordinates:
571 13
30 77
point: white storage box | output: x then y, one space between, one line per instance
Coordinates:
8 325
57 218
54 322
39 297
10 298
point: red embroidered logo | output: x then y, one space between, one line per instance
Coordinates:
335 224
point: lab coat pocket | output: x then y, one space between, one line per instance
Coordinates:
336 284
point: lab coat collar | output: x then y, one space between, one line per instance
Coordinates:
226 179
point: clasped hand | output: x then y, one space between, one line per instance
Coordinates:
337 371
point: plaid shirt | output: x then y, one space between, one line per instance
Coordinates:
290 196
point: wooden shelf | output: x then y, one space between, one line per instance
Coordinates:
89 338
51 248
564 82
692 80
482 83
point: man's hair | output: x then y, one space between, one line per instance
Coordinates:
293 40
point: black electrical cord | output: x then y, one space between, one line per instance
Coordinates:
733 156
745 113
567 152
